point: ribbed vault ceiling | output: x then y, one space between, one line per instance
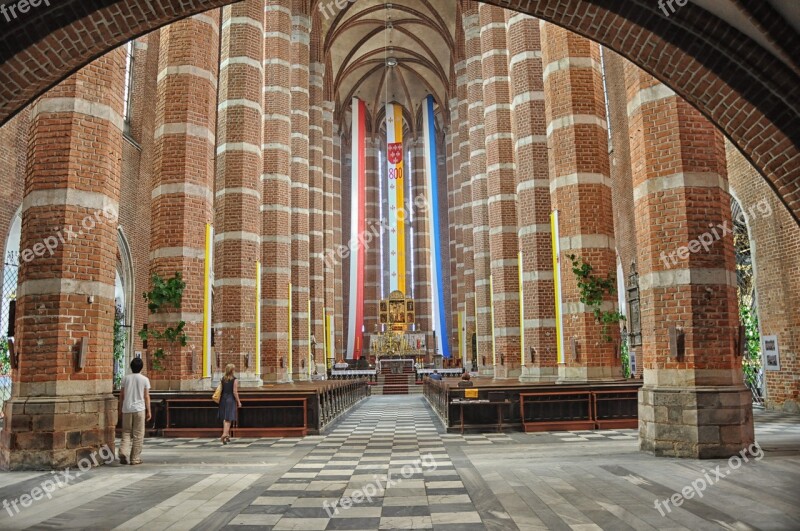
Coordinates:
360 38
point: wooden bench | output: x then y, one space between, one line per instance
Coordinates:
254 410
580 409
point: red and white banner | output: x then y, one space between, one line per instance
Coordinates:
396 185
355 332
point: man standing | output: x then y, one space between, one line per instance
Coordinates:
436 375
134 400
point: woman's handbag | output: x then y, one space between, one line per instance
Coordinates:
217 394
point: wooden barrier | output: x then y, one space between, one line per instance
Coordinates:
283 410
579 410
537 407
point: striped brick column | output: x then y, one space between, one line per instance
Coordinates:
467 285
339 218
533 195
330 260
276 207
694 402
61 410
345 185
316 201
237 217
182 197
502 193
372 267
455 228
580 190
457 220
477 164
423 297
301 29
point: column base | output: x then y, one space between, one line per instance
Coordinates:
538 374
250 380
300 376
698 422
486 370
587 374
280 376
45 433
197 384
504 372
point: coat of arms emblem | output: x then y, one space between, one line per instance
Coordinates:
395 152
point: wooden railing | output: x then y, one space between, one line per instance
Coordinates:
266 412
438 395
335 400
541 407
579 409
258 417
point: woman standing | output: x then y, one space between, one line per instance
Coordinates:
229 402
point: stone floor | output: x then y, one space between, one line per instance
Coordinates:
389 465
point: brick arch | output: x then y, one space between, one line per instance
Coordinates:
745 90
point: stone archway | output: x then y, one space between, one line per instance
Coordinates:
750 93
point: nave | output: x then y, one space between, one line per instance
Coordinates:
566 480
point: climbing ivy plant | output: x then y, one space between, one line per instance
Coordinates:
751 362
119 346
593 290
163 295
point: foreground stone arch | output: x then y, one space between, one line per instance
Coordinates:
752 94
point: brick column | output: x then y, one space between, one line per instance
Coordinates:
61 411
693 404
467 285
317 212
456 245
454 169
581 190
339 218
331 261
345 182
477 164
533 194
301 29
502 193
276 207
423 296
237 218
372 267
182 197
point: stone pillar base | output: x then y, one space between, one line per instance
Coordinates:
538 374
250 380
486 370
588 374
196 384
300 376
280 376
44 433
697 422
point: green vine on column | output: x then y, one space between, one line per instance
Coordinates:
593 291
165 294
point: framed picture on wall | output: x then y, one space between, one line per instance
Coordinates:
772 357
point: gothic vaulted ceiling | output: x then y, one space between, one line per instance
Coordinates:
366 34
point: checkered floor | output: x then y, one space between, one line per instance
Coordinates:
383 467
